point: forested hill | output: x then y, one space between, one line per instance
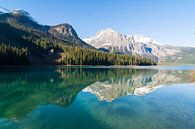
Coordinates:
25 42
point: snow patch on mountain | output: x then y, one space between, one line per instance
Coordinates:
140 38
22 12
140 44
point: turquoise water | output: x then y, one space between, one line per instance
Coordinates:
159 97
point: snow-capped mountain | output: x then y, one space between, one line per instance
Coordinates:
141 45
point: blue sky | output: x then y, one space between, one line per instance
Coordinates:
167 21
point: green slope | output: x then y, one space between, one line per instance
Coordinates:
18 32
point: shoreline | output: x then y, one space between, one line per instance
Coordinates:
100 66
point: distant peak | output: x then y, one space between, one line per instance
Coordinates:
107 30
21 12
65 29
63 25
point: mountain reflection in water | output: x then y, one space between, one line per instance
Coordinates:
29 88
137 82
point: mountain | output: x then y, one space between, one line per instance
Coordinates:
22 19
141 45
67 33
24 41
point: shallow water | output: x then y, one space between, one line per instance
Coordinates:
161 97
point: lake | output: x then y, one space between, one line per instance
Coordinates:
118 97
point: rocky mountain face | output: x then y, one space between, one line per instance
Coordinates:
22 20
43 44
141 45
66 33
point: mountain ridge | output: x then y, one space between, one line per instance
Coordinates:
24 41
22 18
141 45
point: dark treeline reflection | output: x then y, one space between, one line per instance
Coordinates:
24 89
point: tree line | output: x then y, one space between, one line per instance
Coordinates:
80 56
10 55
25 45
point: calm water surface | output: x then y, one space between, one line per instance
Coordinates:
161 97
